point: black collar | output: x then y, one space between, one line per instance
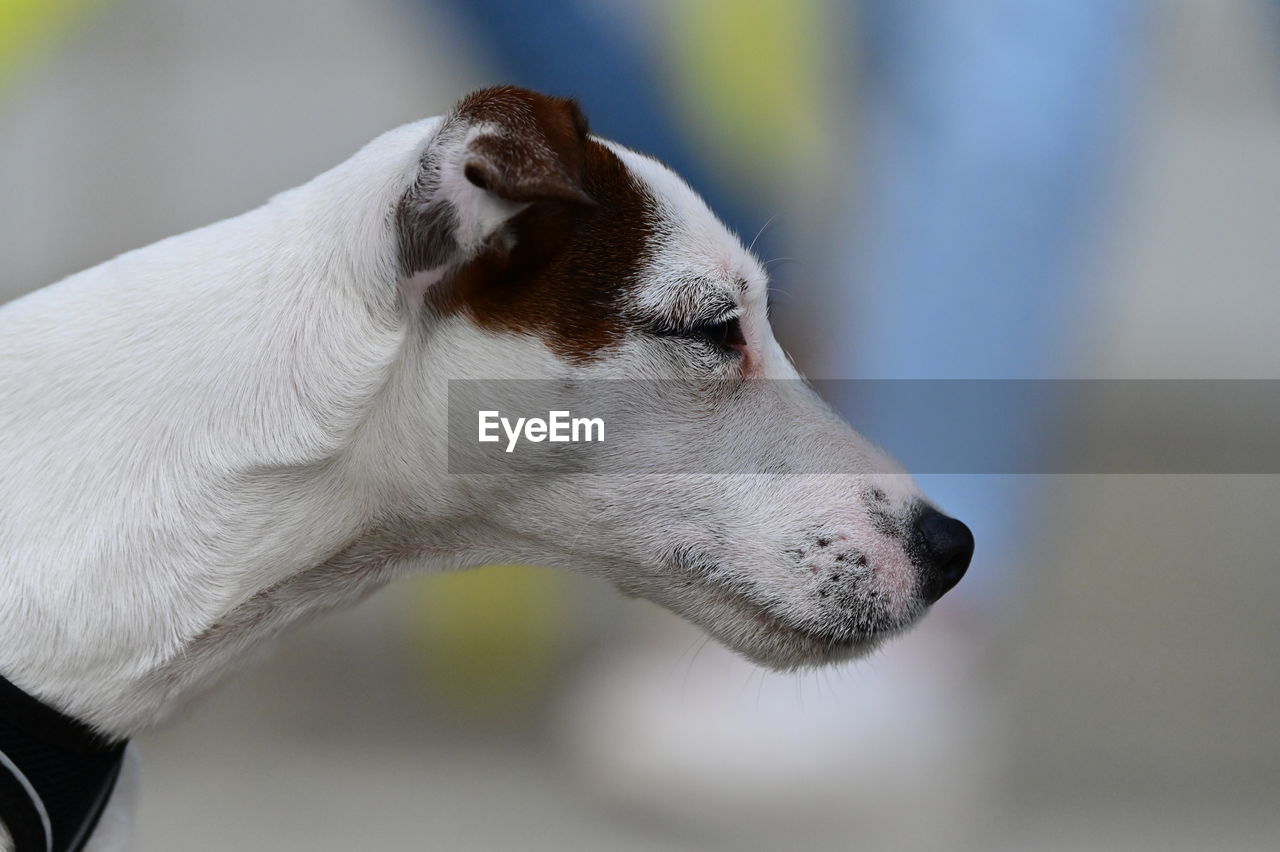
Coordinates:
56 774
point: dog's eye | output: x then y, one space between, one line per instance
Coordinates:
724 334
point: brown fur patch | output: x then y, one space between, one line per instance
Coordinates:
566 266
565 276
538 157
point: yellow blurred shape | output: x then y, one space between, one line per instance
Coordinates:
750 77
490 638
30 28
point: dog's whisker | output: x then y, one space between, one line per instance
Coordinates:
706 640
763 228
794 260
573 545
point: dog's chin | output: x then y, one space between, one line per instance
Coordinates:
775 642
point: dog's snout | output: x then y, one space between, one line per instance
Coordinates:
948 545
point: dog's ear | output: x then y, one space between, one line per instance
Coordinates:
499 151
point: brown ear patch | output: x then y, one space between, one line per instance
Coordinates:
568 269
562 267
525 148
536 152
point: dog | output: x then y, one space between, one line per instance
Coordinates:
209 439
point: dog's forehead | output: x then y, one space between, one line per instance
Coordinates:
692 254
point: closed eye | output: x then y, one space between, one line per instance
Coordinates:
724 335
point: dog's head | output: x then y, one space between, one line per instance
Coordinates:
530 248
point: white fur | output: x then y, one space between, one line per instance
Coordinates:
212 437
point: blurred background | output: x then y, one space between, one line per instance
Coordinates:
941 189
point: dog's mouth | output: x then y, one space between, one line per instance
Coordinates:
774 639
799 629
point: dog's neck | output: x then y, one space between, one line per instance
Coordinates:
122 588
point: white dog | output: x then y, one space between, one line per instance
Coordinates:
208 439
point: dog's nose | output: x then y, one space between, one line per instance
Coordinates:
949 546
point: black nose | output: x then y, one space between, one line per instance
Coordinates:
948 547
